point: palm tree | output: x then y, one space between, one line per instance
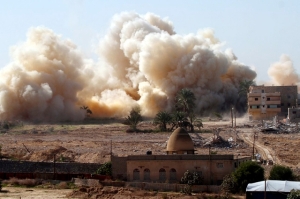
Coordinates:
245 87
88 110
162 118
134 118
185 100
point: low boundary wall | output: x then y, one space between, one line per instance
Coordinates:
173 187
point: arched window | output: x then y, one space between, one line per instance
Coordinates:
162 175
136 174
172 174
147 175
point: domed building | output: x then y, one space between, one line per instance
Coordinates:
180 142
180 157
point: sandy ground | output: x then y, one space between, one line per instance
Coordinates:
100 193
93 143
28 193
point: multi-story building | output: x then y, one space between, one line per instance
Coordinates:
294 114
265 102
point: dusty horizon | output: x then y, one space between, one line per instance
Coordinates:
142 61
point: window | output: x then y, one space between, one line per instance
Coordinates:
147 175
262 91
219 165
294 112
172 175
268 99
256 99
268 106
282 104
289 104
136 174
162 175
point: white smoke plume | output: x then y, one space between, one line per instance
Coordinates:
283 72
142 62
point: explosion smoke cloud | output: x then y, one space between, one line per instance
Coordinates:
283 72
143 62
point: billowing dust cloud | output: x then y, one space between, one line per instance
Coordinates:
142 61
283 72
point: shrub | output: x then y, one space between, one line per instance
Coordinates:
281 173
62 185
247 172
294 194
105 169
22 182
229 185
189 179
28 182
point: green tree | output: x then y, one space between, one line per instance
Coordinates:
294 194
185 101
281 173
105 169
244 88
189 179
247 172
134 118
229 185
161 119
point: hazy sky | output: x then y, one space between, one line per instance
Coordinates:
258 32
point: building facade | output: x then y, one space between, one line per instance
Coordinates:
265 102
171 167
294 114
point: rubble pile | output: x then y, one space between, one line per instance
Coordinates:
279 127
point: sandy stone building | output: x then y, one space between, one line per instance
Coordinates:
180 157
265 102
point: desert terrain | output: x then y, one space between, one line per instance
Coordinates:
94 141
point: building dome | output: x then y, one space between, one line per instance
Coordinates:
180 142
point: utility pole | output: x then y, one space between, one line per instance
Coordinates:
54 169
209 165
254 136
232 109
235 125
110 148
234 118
